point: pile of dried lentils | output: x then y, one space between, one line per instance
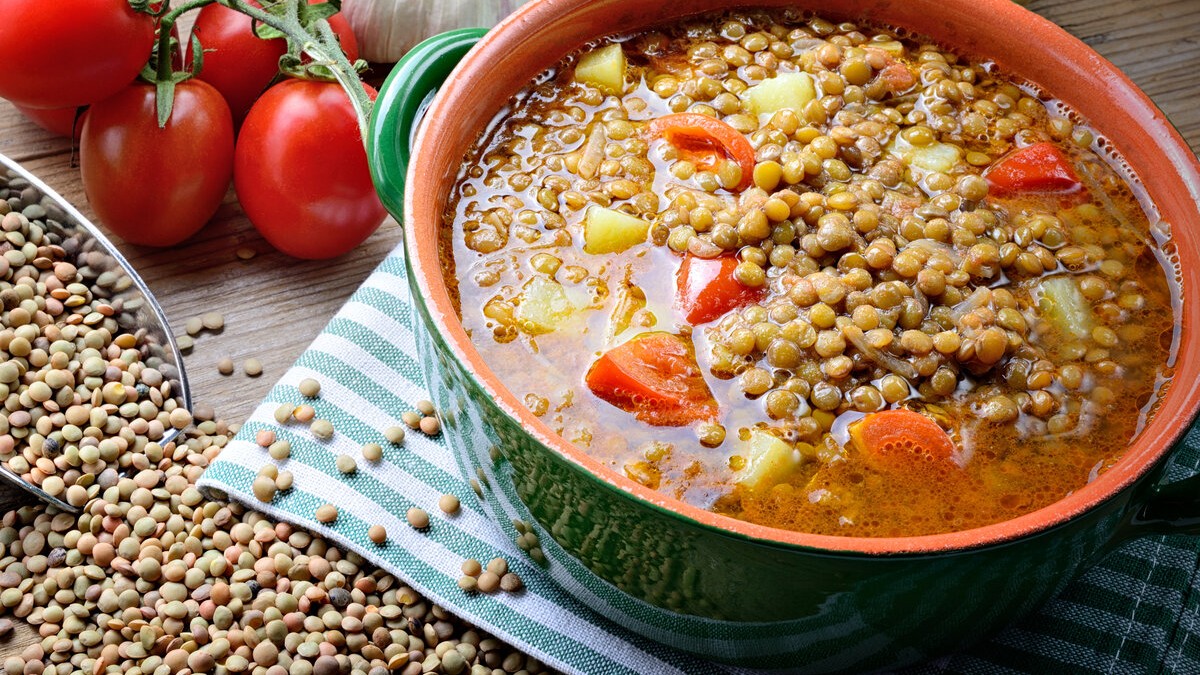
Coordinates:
153 576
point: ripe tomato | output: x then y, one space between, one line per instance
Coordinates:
300 170
157 186
239 63
63 54
59 121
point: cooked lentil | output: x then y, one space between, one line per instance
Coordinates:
879 268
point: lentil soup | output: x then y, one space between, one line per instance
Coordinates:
822 277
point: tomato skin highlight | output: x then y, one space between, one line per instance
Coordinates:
705 140
705 288
655 377
65 54
901 436
240 64
300 171
156 186
1040 168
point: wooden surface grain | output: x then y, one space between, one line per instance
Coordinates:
274 305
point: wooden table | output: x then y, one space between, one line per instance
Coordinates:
274 305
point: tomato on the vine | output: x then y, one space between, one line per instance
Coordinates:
157 186
239 63
63 54
300 170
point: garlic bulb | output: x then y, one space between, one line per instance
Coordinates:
386 29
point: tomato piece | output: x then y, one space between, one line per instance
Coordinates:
60 121
706 289
1040 167
242 65
895 74
655 377
901 435
705 141
64 54
300 170
157 186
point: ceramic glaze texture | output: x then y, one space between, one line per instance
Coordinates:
697 580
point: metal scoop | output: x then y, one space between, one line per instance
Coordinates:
94 255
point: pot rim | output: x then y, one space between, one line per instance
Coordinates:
1177 408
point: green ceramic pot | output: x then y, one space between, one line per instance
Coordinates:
726 589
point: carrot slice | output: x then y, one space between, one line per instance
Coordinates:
704 141
655 377
1040 167
706 288
901 434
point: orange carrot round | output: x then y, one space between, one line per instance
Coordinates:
901 434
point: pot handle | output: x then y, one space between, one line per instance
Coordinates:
401 101
1173 508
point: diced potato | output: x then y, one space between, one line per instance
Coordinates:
787 90
604 68
939 157
544 306
769 460
609 231
1063 305
891 46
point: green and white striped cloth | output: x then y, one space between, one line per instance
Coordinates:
1136 612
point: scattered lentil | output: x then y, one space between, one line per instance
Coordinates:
346 464
304 413
425 407
264 488
246 253
449 503
280 450
265 437
394 435
378 535
184 342
417 518
327 513
372 452
489 582
284 413
321 428
430 426
252 367
309 387
213 321
412 419
225 366
511 583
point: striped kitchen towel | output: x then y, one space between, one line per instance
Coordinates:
1136 612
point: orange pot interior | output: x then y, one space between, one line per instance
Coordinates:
1020 42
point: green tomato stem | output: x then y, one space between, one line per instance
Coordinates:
325 52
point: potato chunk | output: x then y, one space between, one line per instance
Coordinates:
544 306
609 231
787 90
1063 305
769 460
603 68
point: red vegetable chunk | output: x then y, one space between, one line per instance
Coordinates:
705 141
655 377
705 289
902 435
1040 167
